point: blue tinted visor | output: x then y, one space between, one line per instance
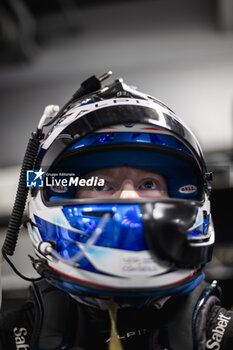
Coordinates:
162 154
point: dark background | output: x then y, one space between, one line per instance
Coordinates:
180 51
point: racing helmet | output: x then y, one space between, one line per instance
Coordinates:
112 246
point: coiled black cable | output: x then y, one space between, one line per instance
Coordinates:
29 162
21 196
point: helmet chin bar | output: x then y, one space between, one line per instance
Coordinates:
166 225
169 228
46 248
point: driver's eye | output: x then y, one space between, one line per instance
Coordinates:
104 187
148 185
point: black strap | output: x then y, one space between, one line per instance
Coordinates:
56 317
178 318
16 327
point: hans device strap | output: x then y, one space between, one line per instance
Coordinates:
181 316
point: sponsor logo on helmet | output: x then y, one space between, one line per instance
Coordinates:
218 333
59 189
138 265
187 189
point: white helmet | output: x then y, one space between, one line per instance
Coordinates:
121 247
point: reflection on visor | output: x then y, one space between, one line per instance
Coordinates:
168 141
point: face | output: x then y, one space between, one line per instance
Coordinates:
125 182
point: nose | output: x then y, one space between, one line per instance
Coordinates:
127 190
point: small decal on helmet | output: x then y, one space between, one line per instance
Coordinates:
129 125
187 189
138 265
59 188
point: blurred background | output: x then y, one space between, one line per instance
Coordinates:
180 51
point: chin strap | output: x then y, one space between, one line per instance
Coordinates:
115 343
